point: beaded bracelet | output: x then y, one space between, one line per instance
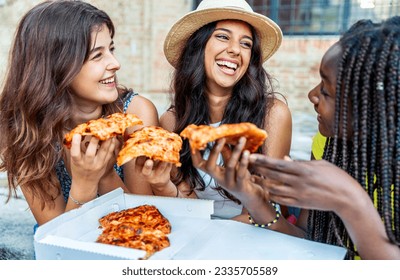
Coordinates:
278 214
75 201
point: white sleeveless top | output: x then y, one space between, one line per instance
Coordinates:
224 208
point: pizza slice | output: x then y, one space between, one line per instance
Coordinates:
147 216
153 142
142 227
200 135
132 236
104 128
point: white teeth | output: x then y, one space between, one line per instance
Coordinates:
227 64
107 81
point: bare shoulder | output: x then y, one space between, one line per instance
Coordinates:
167 120
279 109
145 109
278 124
140 103
278 115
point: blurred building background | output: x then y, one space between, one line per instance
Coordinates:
318 17
309 28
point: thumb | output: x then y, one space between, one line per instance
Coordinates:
147 167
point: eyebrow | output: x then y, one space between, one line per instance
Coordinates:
323 76
99 48
230 32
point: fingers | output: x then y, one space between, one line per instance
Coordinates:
233 161
161 167
263 160
76 146
211 163
93 151
152 168
276 189
147 169
243 169
262 163
258 180
285 200
103 151
214 154
226 153
197 159
140 161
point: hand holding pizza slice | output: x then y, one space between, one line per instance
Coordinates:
200 135
104 128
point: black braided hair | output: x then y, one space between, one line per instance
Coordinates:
368 88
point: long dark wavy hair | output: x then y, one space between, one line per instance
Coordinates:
368 86
249 101
51 44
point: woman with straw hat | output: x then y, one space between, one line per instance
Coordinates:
218 52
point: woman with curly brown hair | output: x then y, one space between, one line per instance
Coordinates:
218 52
62 73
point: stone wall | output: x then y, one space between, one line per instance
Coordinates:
141 26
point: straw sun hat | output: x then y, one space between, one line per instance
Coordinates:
214 10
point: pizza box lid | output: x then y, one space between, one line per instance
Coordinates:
194 235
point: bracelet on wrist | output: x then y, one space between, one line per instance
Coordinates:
75 201
277 216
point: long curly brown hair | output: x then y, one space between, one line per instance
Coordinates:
250 100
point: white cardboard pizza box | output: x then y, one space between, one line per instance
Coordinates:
194 235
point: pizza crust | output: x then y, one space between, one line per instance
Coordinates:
104 128
200 135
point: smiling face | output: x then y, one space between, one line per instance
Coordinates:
227 54
95 84
324 94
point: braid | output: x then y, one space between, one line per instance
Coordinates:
395 88
384 206
360 125
369 152
338 95
347 76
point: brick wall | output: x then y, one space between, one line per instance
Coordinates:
296 68
141 26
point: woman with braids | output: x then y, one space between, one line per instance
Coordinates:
218 52
60 77
353 194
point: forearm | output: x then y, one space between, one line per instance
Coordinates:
134 181
171 190
111 182
80 193
367 231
